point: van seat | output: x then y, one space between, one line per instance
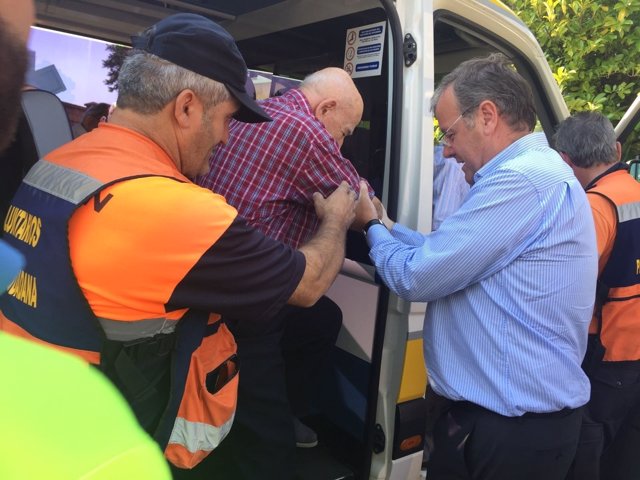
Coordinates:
42 126
47 120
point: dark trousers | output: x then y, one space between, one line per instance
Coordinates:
609 447
280 360
473 443
436 406
308 338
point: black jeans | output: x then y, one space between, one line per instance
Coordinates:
609 447
473 443
280 360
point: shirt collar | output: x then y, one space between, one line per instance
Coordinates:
531 141
613 168
296 97
153 150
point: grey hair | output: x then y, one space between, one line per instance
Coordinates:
491 78
315 79
588 138
333 81
147 83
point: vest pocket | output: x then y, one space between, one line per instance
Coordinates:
208 405
222 375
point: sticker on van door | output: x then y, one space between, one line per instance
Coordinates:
363 50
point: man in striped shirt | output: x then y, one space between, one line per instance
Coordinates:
510 281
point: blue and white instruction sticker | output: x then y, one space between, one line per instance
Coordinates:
363 50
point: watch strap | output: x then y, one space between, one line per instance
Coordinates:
370 223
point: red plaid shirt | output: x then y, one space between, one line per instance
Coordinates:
269 171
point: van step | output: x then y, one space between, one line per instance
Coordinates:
318 464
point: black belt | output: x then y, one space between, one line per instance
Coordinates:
466 405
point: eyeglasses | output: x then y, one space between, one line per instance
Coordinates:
446 136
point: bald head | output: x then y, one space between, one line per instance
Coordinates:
15 20
332 83
335 101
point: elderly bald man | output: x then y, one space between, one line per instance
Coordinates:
269 172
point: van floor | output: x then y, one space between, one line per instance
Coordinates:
319 464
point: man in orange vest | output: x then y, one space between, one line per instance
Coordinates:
130 265
60 418
610 437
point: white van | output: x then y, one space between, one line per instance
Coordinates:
627 124
371 416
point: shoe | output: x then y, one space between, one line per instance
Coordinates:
305 437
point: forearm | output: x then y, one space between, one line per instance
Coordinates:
387 221
324 255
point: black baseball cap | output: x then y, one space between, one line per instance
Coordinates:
202 46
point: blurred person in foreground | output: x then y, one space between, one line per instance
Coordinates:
506 324
610 437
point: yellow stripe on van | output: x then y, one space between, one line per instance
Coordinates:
414 374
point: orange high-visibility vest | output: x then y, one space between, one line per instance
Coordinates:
181 379
620 277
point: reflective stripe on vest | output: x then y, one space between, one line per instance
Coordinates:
62 182
628 212
191 442
120 331
198 436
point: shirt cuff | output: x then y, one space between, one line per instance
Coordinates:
376 233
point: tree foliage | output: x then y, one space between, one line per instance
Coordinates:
593 49
112 63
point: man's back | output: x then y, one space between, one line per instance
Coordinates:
614 199
177 250
609 438
270 171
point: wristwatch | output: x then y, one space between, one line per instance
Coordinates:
370 223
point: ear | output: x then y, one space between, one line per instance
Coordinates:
489 116
566 159
325 107
619 150
187 109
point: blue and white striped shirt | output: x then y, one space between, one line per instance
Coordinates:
510 278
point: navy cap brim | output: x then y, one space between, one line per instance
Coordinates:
250 111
